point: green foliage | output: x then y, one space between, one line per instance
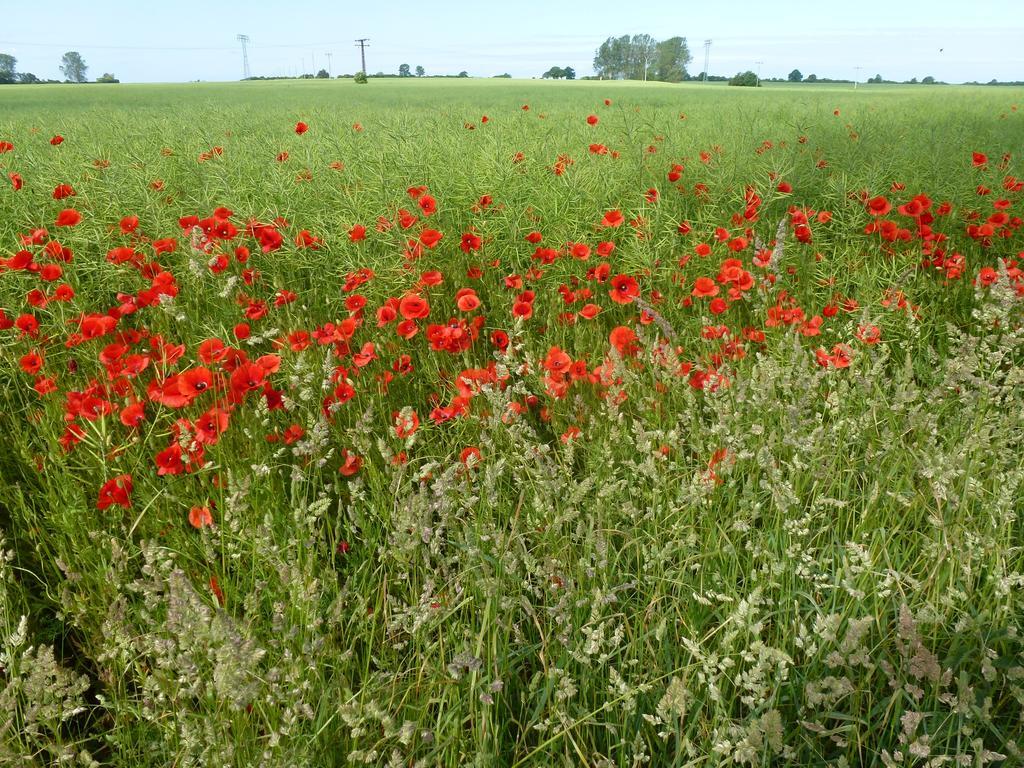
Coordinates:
323 74
73 67
463 73
107 77
555 73
641 57
812 78
420 71
746 79
404 71
568 73
8 66
360 78
795 76
670 61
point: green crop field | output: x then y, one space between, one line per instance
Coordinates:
510 423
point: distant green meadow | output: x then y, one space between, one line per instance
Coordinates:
511 423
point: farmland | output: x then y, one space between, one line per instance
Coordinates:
511 423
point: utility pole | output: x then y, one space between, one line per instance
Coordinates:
759 63
856 77
362 43
244 39
314 64
330 71
707 55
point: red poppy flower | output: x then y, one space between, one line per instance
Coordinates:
591 119
430 237
878 206
57 140
357 233
351 463
406 423
301 127
428 204
979 159
613 219
624 340
117 490
69 217
624 289
704 286
413 307
5 146
200 517
869 334
16 180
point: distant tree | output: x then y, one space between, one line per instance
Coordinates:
463 73
912 81
420 71
643 52
928 80
795 76
875 79
506 75
7 69
107 77
610 58
73 66
360 78
568 73
747 78
27 78
812 78
671 58
403 71
555 73
641 57
323 74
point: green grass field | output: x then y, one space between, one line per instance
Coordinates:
433 423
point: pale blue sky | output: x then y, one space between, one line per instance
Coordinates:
188 40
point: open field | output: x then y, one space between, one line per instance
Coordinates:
506 423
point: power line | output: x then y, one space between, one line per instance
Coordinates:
707 55
362 43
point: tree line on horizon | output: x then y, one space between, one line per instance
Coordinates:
72 66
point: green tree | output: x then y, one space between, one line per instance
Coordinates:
812 78
323 74
670 62
403 71
875 79
7 68
420 71
555 73
643 49
928 80
568 73
28 78
610 58
795 76
463 73
748 79
108 77
73 66
360 78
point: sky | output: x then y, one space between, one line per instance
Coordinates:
185 40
